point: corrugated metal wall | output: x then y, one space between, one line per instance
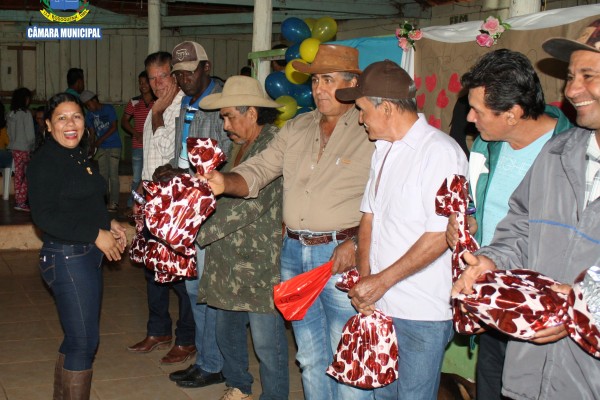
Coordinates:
111 65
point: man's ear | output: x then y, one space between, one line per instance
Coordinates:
514 114
207 66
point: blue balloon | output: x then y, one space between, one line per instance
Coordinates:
292 52
295 30
277 85
303 95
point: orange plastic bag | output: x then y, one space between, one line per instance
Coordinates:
295 296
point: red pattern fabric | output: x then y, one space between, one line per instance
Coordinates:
453 197
21 159
174 212
367 355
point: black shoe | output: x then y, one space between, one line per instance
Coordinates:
199 378
182 373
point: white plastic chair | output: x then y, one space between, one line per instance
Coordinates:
6 176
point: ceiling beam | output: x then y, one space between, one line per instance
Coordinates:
367 7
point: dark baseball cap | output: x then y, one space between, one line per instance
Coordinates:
588 39
384 79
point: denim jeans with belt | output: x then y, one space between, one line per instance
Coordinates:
319 332
74 274
270 346
421 346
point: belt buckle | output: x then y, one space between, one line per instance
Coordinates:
302 236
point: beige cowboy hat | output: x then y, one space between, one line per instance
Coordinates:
238 91
331 58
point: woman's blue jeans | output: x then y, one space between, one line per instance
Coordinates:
74 274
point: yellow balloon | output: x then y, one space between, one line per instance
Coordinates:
324 29
279 123
289 108
293 75
310 22
309 48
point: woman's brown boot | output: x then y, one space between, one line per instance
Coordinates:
58 369
76 385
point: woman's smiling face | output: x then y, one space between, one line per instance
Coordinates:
66 124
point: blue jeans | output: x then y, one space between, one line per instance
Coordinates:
270 345
137 162
159 319
209 357
74 274
108 163
421 346
319 332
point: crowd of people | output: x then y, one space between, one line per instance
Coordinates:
352 182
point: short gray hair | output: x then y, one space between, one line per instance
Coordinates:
401 104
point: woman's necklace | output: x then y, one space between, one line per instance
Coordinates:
84 163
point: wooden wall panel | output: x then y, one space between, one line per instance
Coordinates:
102 74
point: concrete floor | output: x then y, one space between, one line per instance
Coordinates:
30 334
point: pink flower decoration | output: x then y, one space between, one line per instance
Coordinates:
492 26
485 40
415 35
403 43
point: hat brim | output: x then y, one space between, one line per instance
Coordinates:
348 94
186 66
321 69
217 100
562 48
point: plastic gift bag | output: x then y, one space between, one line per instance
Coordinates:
517 302
584 311
137 250
295 296
453 197
174 212
367 356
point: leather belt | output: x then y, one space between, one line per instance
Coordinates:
313 239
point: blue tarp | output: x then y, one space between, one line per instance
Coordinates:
371 49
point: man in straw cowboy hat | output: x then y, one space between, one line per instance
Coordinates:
324 158
553 227
242 241
403 257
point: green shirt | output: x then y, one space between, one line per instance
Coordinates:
243 240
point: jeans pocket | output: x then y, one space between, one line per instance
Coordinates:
47 267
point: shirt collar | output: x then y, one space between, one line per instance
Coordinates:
593 150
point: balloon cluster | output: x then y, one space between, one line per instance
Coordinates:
292 88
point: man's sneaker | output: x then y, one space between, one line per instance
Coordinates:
114 207
235 394
22 207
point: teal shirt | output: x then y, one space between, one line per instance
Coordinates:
510 171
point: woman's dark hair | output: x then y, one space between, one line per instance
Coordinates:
20 99
58 99
508 79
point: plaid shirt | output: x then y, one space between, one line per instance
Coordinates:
159 146
592 172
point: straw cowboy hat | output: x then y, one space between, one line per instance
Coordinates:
331 58
239 91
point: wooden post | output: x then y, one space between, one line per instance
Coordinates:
153 26
523 7
261 35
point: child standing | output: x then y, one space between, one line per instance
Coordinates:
21 135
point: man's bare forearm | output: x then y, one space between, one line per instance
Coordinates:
235 185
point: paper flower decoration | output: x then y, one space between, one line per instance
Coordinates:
407 35
490 31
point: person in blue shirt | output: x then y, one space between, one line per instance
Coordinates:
101 120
